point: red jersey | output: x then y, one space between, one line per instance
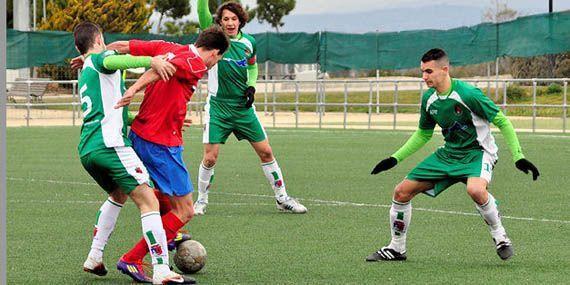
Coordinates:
163 109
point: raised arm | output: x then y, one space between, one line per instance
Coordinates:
120 46
204 15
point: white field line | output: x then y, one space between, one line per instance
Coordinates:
314 202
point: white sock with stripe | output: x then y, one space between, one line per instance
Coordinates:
205 179
273 174
400 218
155 237
104 226
492 217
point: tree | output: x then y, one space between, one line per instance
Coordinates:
114 16
173 28
174 9
273 11
213 6
499 12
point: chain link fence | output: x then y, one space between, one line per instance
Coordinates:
533 105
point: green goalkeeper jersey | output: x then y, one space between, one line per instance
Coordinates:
464 115
228 79
100 89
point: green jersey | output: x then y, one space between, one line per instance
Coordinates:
228 79
100 89
464 116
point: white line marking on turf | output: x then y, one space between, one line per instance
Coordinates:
318 201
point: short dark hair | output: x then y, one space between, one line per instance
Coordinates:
435 54
85 34
235 8
213 38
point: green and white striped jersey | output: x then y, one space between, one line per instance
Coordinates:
464 116
100 89
227 80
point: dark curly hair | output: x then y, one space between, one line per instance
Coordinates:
235 8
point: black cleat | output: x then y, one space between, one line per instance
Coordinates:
505 249
387 254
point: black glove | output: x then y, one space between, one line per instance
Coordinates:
384 165
249 94
526 166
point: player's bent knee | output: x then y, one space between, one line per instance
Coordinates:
119 196
478 194
144 198
210 160
400 195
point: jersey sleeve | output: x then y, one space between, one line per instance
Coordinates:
204 15
253 56
99 58
480 104
188 66
149 48
426 120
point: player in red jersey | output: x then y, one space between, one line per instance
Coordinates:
156 132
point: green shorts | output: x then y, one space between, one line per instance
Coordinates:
445 169
117 167
224 118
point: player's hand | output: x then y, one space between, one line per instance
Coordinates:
164 68
384 165
187 123
250 95
76 62
526 166
126 99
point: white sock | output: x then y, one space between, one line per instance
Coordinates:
492 217
155 237
400 218
273 174
104 226
205 179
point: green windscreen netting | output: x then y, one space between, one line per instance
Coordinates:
523 37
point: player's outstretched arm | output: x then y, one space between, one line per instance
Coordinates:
120 46
204 15
508 132
413 144
158 63
147 78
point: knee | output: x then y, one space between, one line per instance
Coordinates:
478 194
266 155
401 195
210 159
119 197
185 212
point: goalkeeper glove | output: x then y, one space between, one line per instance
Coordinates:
384 165
526 166
249 94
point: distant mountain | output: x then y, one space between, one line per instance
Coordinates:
442 16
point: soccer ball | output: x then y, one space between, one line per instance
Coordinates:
190 256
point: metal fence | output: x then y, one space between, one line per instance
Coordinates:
363 103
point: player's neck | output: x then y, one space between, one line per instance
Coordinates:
94 50
445 86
